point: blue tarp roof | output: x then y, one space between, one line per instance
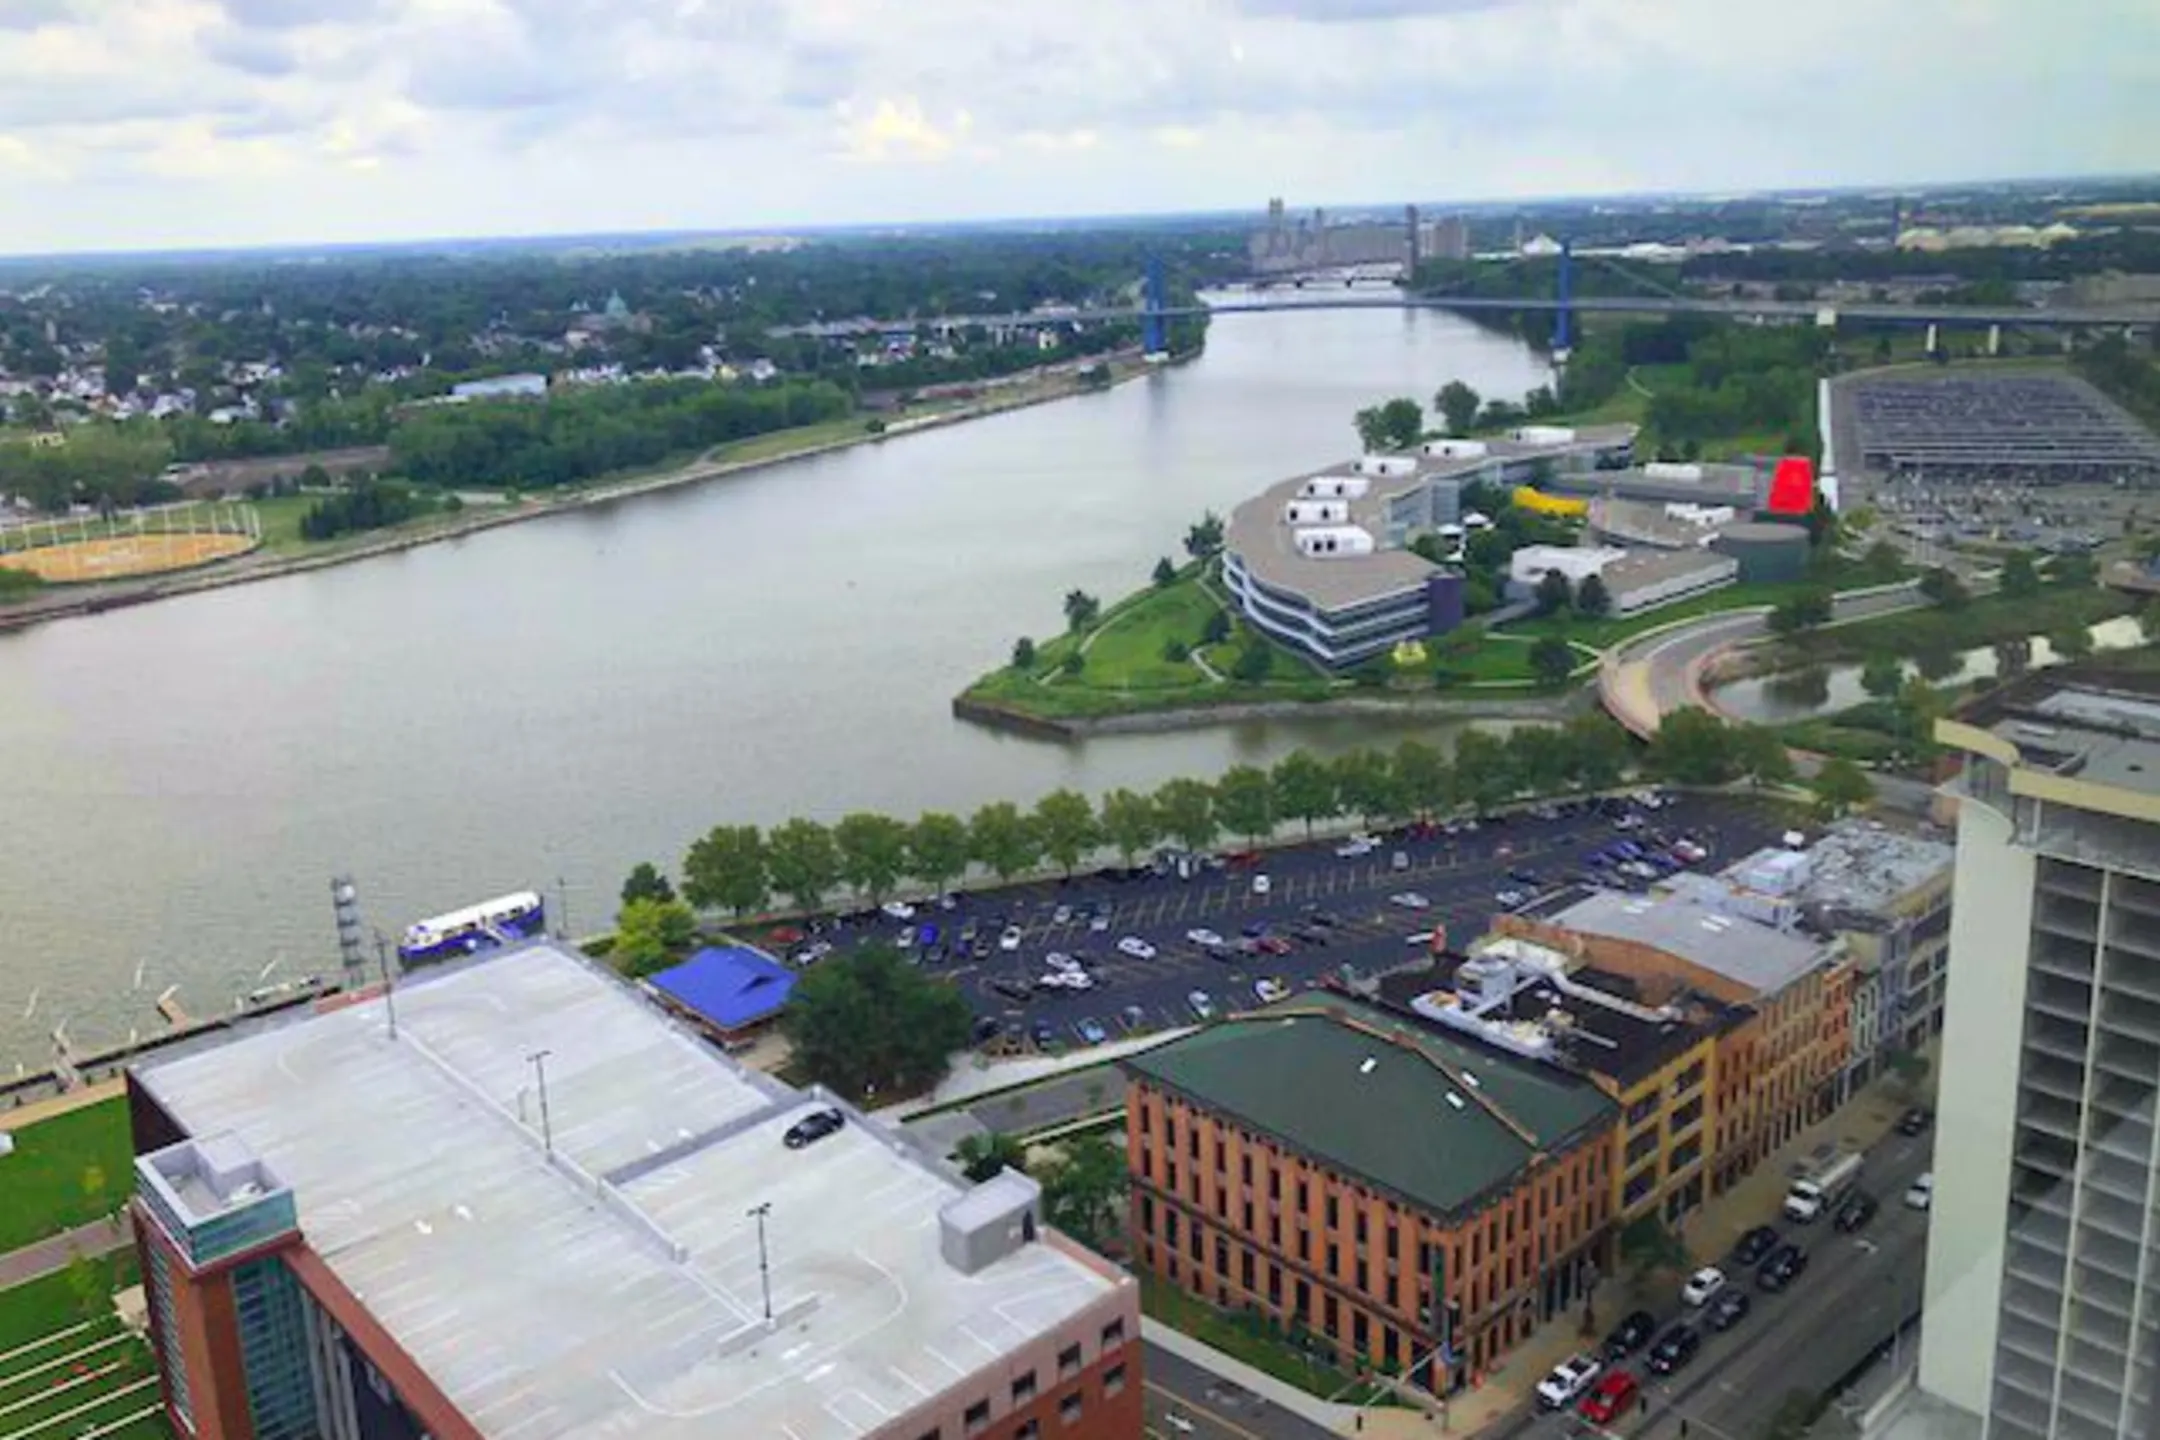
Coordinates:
730 986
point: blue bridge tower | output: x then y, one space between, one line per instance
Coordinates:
1563 340
1154 328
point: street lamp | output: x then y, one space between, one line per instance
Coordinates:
389 991
547 1128
758 1213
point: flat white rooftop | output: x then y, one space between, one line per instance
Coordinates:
546 1299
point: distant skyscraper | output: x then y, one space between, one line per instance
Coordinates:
1411 236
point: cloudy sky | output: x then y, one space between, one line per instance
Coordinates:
140 123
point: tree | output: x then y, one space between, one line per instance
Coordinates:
803 862
1254 661
1457 405
1165 573
1803 611
1648 1246
2013 657
1073 663
646 883
1305 789
1552 658
1023 656
1943 588
937 846
726 869
1602 750
1066 822
1396 424
1484 771
1216 628
986 1152
1882 676
2020 578
2149 623
1421 777
89 1287
1759 755
1553 593
1081 1189
1004 841
1692 747
2071 571
1245 802
648 933
1366 783
1187 811
1130 823
867 1023
1081 609
873 852
1592 599
1841 787
2071 642
1937 663
1205 536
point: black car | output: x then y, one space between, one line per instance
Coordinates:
1043 1034
1630 1335
1754 1245
813 1128
1674 1349
1013 988
987 1028
1729 1308
1782 1268
1858 1209
1914 1121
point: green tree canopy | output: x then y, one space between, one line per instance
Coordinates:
2072 570
1603 751
1840 788
873 852
987 1152
1130 823
726 870
1186 808
1484 775
645 882
1165 573
1066 822
1553 593
1944 588
2020 577
2072 641
803 862
1396 424
1205 537
1421 777
1553 659
1245 802
1592 599
1882 676
1693 747
866 1023
1305 789
1023 654
1081 609
1004 841
1758 753
1081 1189
1365 782
1802 611
1254 661
937 849
650 933
1457 405
1648 1246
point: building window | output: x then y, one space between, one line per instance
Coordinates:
1332 1259
1068 1362
1644 1108
1333 1218
1023 1389
1391 1242
1684 1155
1113 1382
1685 1116
977 1418
1327 1315
1069 1409
1641 1146
1113 1334
1245 1169
1029 1430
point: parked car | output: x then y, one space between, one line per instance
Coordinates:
1858 1209
1201 1004
1043 1036
1568 1380
1261 884
1099 922
1268 990
1754 1245
897 910
1914 1121
1409 900
1134 946
1059 960
1133 1017
1400 860
1674 1349
1509 899
1922 1193
1205 938
1729 1309
1702 1286
1355 847
813 1128
1091 1031
985 1029
1061 915
1612 1397
1009 938
1784 1266
1273 945
1630 1335
1012 987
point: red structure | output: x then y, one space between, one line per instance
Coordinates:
1792 486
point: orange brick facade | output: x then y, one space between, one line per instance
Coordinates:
1249 1224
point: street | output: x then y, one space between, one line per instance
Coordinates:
1185 1402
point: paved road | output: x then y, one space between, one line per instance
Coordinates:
43 1257
1857 1290
1186 1402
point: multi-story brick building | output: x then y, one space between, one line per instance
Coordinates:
529 1204
1386 1187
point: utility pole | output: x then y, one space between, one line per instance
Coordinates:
547 1127
562 908
389 990
758 1213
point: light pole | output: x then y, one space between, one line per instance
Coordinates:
547 1127
758 1213
389 991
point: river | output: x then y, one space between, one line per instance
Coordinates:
562 698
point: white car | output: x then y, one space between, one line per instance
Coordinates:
1568 1381
1134 946
1099 924
1270 990
1066 980
1410 900
897 910
1261 884
1922 1194
1201 1004
1010 939
1702 1287
1061 915
1059 960
1509 899
1205 938
1355 847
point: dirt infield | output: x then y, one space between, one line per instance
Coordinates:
121 557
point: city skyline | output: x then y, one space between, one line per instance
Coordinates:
181 123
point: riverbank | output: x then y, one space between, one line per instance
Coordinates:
1985 620
1233 710
738 458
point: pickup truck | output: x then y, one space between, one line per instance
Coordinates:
1815 1192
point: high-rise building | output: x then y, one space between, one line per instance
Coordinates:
2042 1317
528 1204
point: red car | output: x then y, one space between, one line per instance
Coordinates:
1611 1398
1273 944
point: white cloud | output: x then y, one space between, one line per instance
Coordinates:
472 116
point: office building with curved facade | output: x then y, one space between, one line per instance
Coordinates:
1321 563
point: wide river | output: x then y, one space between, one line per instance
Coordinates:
554 701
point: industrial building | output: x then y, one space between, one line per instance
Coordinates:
1393 1190
1634 580
1744 488
1319 562
1285 246
501 387
2042 1315
512 1198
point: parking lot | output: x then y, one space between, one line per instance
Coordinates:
1321 910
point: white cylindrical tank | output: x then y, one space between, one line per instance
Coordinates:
1545 434
1453 449
1386 465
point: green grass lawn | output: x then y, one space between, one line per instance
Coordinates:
47 1184
1599 634
1982 622
1126 649
1242 1338
47 1327
781 443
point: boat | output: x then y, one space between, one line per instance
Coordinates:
505 920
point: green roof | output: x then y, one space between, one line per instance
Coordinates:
1369 1094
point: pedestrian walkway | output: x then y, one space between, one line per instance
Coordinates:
972 1075
76 1099
42 1257
1279 1392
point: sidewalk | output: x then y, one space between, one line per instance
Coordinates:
42 1257
1310 1407
972 1075
77 1099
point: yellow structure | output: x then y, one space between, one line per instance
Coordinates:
1409 652
1529 497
